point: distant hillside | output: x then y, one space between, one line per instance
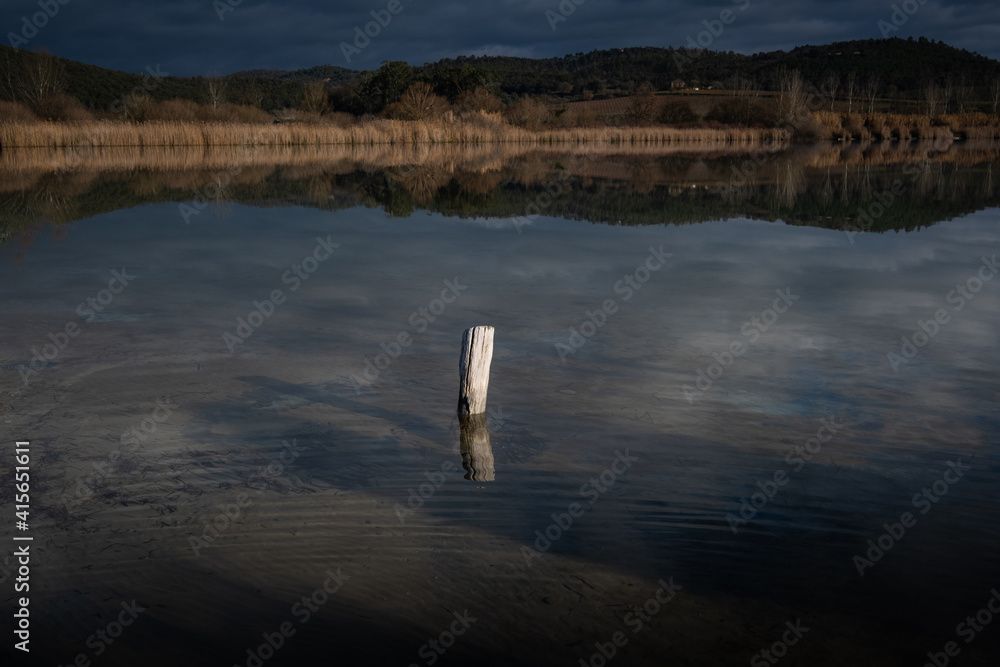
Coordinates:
99 88
331 74
903 69
907 64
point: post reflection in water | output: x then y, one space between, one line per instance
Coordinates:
477 452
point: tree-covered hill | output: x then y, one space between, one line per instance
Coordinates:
331 74
901 68
907 64
99 88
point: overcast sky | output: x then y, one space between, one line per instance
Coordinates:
191 37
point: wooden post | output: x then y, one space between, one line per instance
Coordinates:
477 452
474 370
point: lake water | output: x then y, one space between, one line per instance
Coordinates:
708 438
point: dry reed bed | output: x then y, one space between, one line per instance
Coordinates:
33 163
904 127
482 130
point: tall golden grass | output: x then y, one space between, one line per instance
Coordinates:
68 171
479 128
365 156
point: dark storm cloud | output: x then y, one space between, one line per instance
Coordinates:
189 37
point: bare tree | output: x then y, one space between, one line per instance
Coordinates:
419 102
315 98
963 93
745 88
252 95
215 88
851 89
528 112
9 64
139 108
995 94
932 99
949 90
42 75
832 85
792 99
872 87
479 99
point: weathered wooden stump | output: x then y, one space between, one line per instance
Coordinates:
474 370
477 452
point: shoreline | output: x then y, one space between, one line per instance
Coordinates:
492 129
481 130
20 161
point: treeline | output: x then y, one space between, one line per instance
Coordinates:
913 75
28 77
46 87
449 98
904 66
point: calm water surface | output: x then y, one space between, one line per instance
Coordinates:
219 466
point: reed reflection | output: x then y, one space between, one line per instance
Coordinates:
828 185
